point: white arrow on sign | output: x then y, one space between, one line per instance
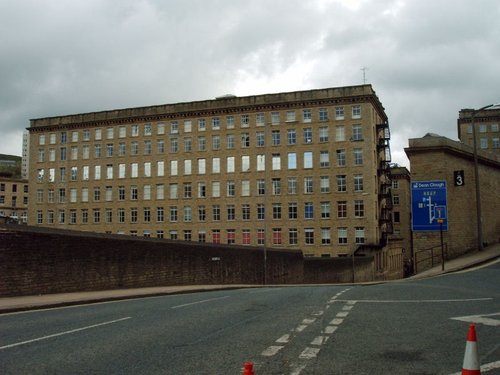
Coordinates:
480 319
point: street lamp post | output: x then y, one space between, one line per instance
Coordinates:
476 177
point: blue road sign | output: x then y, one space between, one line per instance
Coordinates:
428 206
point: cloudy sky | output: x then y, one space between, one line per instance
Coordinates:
426 59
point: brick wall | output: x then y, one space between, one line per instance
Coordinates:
43 261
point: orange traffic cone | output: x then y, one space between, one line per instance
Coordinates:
248 369
471 358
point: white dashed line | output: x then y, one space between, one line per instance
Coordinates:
320 340
342 314
272 350
284 339
309 353
300 328
336 322
330 329
308 320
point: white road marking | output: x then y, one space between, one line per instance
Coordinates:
284 339
309 353
480 319
272 350
62 333
319 340
308 320
318 313
336 321
342 314
418 300
296 370
300 328
330 329
484 368
198 302
264 290
347 307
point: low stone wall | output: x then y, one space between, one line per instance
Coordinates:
43 261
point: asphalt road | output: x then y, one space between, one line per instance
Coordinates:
393 328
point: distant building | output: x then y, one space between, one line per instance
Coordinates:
487 125
26 155
14 199
301 170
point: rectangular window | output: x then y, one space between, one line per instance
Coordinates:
276 186
324 159
342 235
215 165
358 156
308 185
325 210
173 213
215 189
292 211
188 214
216 212
230 165
202 213
134 170
308 137
357 133
306 115
261 237
231 236
202 144
325 184
260 139
309 236
261 163
277 236
356 111
341 209
245 211
202 166
245 140
231 212
188 191
188 126
323 134
173 168
308 159
341 183
341 160
261 212
160 192
276 211
275 118
261 187
187 167
276 138
292 185
293 238
202 190
292 160
326 237
359 235
359 208
231 189
230 141
245 163
245 188
230 122
291 136
340 133
308 210
215 235
246 237
215 123
216 142
358 182
339 113
260 119
323 114
276 162
245 121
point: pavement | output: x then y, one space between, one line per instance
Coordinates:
36 302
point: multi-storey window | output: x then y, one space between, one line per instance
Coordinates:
245 211
230 164
260 141
358 156
341 183
230 141
324 159
359 235
231 212
277 236
261 187
160 215
174 145
292 185
306 115
358 182
275 118
308 159
134 193
323 134
202 189
188 191
261 163
188 214
309 236
292 210
148 147
276 186
231 236
323 114
231 189
356 111
325 210
173 213
308 135
276 210
260 119
246 237
357 133
215 189
160 146
293 238
215 123
339 113
341 160
341 209
245 188
326 237
160 191
134 148
215 235
291 136
261 212
230 122
340 133
202 213
308 185
97 215
276 137
308 210
276 162
121 215
342 235
245 121
216 212
324 184
202 143
359 208
261 237
292 160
